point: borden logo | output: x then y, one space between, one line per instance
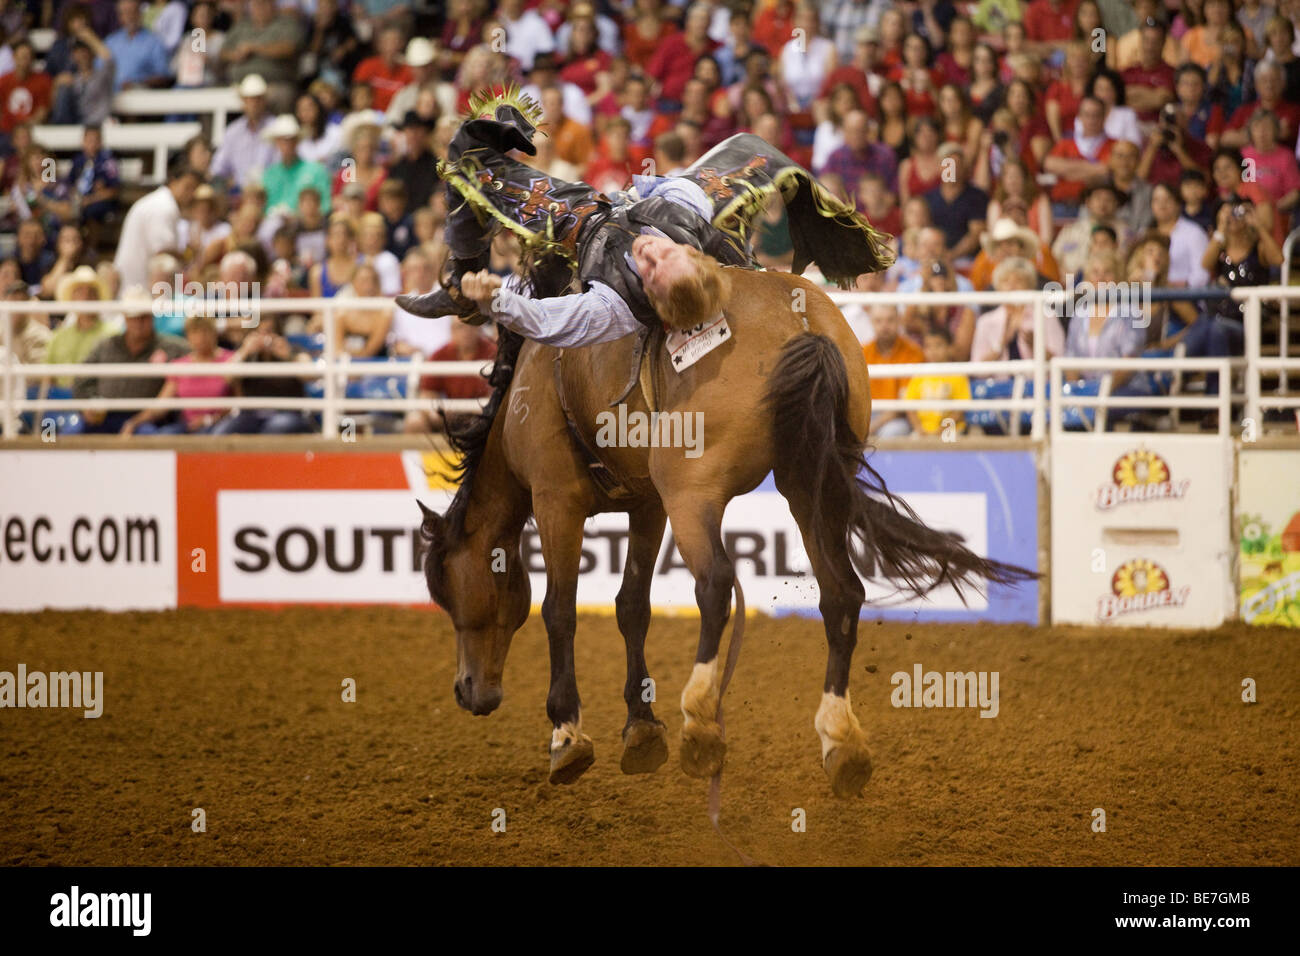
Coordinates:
1139 585
1139 475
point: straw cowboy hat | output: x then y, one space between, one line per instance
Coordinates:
420 52
1005 229
82 275
136 300
284 126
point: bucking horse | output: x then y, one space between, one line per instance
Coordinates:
784 391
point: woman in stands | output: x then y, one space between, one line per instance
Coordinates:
922 170
895 129
201 333
829 135
585 64
917 76
1121 121
1035 139
362 333
956 64
646 29
1239 254
1061 103
1101 46
340 264
320 138
1281 36
960 126
1231 76
986 90
70 252
1016 181
363 166
807 59
1108 327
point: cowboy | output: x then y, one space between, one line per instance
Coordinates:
680 283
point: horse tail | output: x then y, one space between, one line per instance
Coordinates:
808 399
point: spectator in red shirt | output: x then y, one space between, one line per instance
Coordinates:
866 50
1269 82
646 31
1080 162
674 61
466 345
1149 85
774 26
1064 95
1171 148
1049 25
384 73
25 94
612 168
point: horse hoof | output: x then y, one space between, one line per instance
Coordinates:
572 760
849 769
645 746
703 750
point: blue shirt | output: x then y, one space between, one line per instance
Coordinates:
139 57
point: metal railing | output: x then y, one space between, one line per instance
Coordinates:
334 369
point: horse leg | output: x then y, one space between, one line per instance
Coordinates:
845 757
560 528
697 528
645 740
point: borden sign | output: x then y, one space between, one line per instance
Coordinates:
1139 475
1139 585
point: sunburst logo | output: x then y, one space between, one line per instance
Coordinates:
1140 585
1139 475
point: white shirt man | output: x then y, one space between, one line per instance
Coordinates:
152 225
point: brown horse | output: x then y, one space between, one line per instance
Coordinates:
787 393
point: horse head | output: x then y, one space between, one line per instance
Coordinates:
478 578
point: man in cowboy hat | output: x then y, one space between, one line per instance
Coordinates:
81 331
1005 240
243 152
290 174
138 342
420 57
1100 207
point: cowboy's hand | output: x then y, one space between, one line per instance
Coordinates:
480 287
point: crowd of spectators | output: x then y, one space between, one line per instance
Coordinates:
1005 143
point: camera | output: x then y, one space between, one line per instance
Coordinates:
1001 138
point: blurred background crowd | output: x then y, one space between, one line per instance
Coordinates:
1005 143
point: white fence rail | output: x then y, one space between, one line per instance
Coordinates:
334 369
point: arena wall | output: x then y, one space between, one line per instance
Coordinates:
1178 531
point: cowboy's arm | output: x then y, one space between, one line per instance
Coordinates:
566 321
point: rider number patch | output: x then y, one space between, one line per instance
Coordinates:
687 346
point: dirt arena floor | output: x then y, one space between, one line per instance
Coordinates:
240 713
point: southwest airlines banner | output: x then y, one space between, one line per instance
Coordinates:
331 528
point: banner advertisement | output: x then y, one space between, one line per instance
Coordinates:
1141 532
87 529
323 528
1268 522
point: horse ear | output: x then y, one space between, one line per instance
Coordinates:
431 526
